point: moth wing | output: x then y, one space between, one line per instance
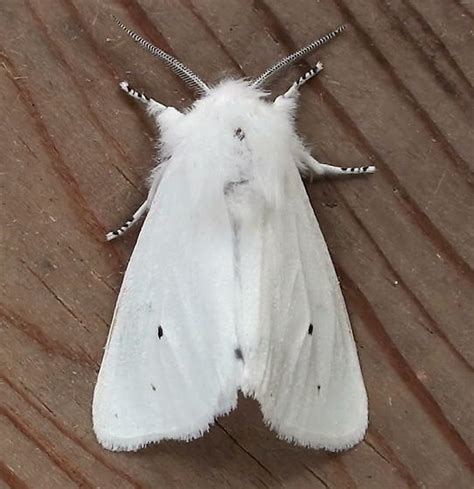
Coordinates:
310 386
164 373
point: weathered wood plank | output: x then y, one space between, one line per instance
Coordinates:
397 91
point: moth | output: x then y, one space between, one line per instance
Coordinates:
230 286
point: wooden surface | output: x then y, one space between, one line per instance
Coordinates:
76 151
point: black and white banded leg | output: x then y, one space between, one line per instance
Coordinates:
128 224
293 91
321 169
153 107
307 76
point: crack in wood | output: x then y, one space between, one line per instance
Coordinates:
253 457
316 476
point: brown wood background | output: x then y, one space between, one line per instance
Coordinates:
76 151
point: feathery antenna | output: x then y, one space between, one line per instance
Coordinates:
179 68
283 63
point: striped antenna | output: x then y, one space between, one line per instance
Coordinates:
179 68
283 63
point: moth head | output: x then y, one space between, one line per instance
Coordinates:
196 83
233 92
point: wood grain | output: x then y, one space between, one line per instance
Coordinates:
397 91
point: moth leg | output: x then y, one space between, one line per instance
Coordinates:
292 93
321 169
153 107
129 223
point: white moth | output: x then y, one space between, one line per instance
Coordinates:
230 286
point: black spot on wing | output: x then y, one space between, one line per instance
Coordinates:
310 329
238 354
239 133
153 387
160 332
319 388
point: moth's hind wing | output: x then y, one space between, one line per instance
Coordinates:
168 367
311 388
